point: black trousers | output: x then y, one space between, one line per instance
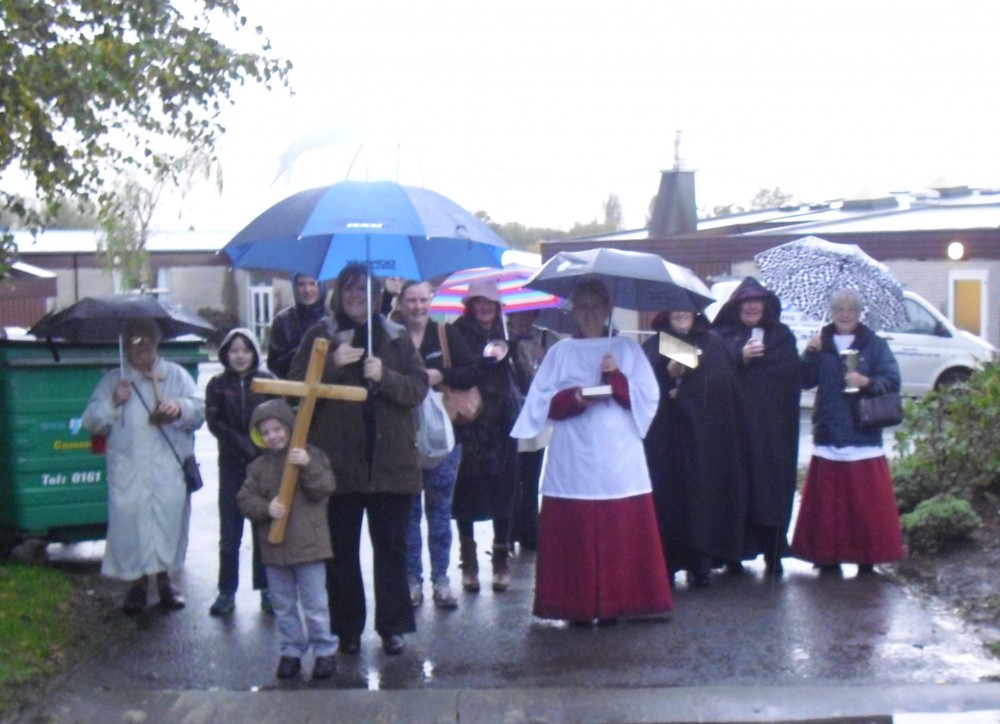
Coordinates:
388 518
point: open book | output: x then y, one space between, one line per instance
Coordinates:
675 349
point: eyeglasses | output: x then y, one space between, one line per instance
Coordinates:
141 342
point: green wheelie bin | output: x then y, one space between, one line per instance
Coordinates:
52 479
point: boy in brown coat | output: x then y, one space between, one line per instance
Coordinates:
296 568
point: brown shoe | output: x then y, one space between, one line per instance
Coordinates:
170 598
135 600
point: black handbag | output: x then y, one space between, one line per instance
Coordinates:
885 410
189 465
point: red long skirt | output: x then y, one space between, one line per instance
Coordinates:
848 514
599 559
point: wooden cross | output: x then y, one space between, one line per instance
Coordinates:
309 391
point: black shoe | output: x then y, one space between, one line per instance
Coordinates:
866 569
775 568
135 600
735 568
170 598
288 667
349 644
830 569
699 579
393 644
324 667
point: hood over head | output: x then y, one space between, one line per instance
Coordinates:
321 302
749 288
277 409
248 338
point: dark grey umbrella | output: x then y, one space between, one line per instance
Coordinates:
636 280
101 318
805 272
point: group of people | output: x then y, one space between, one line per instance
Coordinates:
651 465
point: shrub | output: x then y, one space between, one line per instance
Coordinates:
937 522
913 487
949 441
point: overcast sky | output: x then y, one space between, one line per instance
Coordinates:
536 110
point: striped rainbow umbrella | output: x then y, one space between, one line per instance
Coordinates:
510 282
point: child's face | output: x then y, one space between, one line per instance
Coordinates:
240 356
274 434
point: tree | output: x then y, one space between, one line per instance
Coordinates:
613 213
763 199
88 86
127 214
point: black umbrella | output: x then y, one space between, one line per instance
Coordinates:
100 319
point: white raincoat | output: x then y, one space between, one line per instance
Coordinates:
148 504
597 455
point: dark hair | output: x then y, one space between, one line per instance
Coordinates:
351 273
594 287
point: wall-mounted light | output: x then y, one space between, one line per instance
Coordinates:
956 250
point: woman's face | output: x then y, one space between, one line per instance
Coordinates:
845 317
590 313
751 312
141 353
239 356
485 311
681 322
416 301
353 300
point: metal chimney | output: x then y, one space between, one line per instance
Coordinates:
675 210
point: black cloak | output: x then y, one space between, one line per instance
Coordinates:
695 453
771 388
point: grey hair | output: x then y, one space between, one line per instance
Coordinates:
847 297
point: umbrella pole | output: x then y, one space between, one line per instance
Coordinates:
121 356
368 287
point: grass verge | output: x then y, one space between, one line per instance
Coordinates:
35 625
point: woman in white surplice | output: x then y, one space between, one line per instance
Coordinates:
599 554
139 408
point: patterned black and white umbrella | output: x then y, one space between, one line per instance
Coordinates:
805 272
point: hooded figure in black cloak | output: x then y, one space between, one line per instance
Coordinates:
695 450
769 371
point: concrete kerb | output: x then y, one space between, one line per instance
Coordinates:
923 703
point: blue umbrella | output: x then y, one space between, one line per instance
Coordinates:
397 230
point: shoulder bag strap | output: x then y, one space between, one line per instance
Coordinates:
169 444
443 341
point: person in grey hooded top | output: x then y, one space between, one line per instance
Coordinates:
229 403
291 323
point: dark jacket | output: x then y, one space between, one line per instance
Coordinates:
462 373
229 402
835 413
287 329
388 463
307 534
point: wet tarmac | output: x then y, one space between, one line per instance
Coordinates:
755 643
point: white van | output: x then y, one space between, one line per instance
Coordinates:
930 350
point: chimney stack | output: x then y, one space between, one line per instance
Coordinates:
675 211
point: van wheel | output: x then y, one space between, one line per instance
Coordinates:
953 377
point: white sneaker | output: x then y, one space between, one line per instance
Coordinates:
416 592
443 596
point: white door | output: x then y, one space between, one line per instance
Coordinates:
261 312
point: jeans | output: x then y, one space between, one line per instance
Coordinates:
439 488
305 583
231 534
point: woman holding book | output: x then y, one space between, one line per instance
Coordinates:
599 555
695 448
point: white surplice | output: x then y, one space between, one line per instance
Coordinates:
596 455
